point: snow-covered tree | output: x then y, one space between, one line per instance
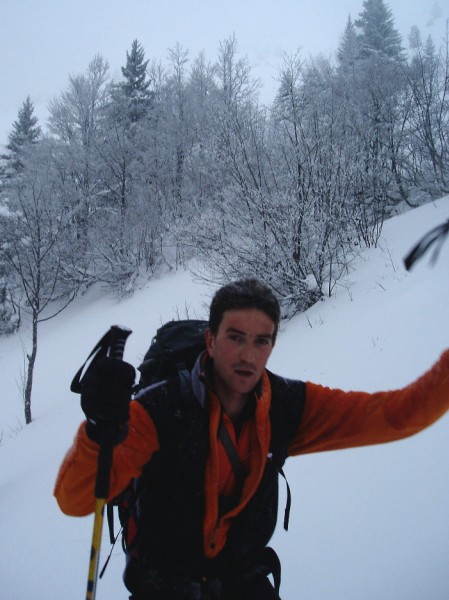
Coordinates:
314 166
349 49
36 248
375 93
136 85
428 115
236 85
200 168
25 131
378 34
75 121
24 135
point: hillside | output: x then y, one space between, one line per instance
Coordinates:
366 524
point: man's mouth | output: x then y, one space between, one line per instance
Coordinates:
244 372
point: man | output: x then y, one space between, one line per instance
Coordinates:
205 521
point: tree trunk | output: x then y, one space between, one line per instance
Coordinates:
31 358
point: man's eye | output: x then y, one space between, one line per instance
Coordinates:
235 338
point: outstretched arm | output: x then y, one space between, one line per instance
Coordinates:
334 419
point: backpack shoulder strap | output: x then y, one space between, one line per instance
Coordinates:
231 452
185 383
287 406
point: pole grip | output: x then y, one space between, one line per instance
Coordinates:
118 337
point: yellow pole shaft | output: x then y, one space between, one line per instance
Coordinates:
95 549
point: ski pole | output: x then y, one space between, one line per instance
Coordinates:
117 339
434 236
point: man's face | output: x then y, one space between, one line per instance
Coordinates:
240 350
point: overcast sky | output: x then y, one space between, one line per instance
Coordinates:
42 42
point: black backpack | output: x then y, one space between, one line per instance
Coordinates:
173 350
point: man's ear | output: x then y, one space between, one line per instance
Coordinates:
209 339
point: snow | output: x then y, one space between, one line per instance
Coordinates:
369 523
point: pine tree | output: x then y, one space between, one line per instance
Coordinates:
349 49
378 34
136 86
26 131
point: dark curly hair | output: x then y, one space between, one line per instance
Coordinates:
242 294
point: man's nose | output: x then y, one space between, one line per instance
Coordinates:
247 353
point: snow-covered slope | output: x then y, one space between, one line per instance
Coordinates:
370 524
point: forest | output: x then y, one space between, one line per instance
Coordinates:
181 163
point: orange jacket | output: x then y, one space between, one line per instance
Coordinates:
332 420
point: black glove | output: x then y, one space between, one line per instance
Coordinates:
105 395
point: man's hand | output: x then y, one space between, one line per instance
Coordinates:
106 390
